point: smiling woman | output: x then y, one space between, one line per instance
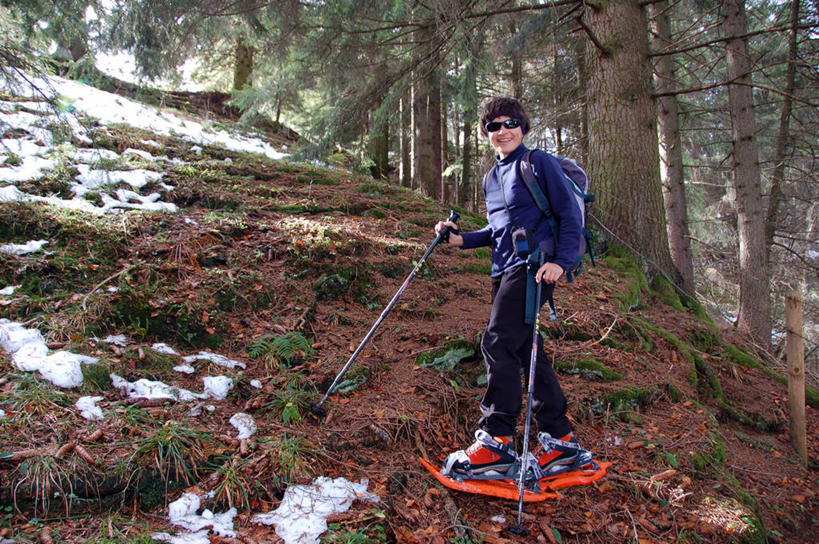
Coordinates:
509 339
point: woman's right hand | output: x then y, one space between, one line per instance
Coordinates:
454 239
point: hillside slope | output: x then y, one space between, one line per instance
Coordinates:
282 268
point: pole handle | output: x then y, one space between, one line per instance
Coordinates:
444 234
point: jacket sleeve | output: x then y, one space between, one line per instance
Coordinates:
477 238
562 200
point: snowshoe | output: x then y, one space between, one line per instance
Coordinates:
538 483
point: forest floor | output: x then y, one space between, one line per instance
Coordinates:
285 267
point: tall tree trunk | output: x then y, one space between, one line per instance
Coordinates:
580 59
623 149
783 137
445 183
404 145
469 100
754 299
379 150
517 67
556 100
414 176
671 165
243 66
427 108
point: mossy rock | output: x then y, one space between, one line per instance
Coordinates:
588 368
445 359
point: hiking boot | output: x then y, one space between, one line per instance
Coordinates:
489 457
558 455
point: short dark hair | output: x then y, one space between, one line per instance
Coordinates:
510 107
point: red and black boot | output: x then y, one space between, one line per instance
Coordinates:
556 455
487 459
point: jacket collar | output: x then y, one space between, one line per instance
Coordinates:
512 157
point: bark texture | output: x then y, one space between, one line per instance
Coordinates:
671 165
623 157
754 299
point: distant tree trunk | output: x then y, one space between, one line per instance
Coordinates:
404 145
623 149
427 108
580 59
754 299
379 150
783 137
556 99
671 165
445 183
243 66
517 67
469 99
414 176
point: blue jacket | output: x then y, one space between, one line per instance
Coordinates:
523 212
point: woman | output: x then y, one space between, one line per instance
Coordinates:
507 341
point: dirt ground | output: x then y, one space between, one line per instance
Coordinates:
699 442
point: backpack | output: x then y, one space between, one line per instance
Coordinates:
579 184
578 181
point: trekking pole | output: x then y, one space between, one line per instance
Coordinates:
442 235
530 392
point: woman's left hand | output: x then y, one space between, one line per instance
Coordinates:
549 272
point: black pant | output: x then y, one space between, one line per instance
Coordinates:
507 347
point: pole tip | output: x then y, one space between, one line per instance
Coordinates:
318 410
518 530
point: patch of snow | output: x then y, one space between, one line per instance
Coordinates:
29 168
196 149
29 353
245 424
499 519
92 154
2 414
184 369
217 387
161 347
8 291
215 358
10 193
117 340
23 249
256 383
150 389
88 408
302 515
199 537
89 179
182 512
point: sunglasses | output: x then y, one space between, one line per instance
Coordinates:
495 126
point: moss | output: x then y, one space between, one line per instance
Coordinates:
353 380
703 377
315 179
376 189
712 457
743 358
667 293
629 269
444 359
588 368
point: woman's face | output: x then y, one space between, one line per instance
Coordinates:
505 140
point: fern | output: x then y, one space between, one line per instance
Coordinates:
281 347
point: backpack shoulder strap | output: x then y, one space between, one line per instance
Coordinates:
532 185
